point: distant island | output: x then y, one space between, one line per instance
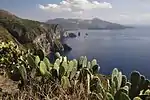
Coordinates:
96 24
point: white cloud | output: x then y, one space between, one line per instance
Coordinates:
75 6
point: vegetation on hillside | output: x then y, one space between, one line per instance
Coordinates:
39 79
30 34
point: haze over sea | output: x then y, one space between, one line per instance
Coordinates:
127 49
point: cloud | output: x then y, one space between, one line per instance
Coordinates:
75 6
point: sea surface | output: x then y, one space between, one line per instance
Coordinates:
127 49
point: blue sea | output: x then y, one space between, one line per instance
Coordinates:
127 49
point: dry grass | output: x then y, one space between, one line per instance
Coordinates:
42 91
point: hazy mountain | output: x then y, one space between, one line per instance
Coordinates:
71 24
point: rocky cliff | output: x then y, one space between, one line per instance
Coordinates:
29 33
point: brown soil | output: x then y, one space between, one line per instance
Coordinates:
7 85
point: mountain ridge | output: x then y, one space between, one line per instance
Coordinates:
95 23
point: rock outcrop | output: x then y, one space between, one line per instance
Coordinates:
30 34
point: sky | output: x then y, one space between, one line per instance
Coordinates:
119 11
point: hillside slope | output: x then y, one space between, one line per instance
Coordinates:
29 33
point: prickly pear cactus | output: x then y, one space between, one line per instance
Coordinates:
119 79
84 64
89 64
95 69
57 54
142 81
80 62
147 92
65 65
109 96
125 89
135 78
94 62
43 68
47 63
137 98
124 80
23 72
121 96
37 61
73 73
146 84
56 65
135 81
74 70
128 84
31 61
61 71
116 78
114 74
70 67
65 82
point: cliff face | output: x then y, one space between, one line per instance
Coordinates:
30 34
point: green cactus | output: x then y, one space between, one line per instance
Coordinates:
75 63
94 62
57 54
56 65
65 65
70 67
73 73
125 89
114 74
117 78
147 92
74 70
135 81
135 78
146 85
137 98
88 84
121 96
142 81
89 64
84 64
61 71
65 59
77 75
31 61
37 61
80 65
95 69
109 96
47 63
124 80
23 73
65 82
96 85
128 84
43 68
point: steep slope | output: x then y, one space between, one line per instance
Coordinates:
29 33
71 24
